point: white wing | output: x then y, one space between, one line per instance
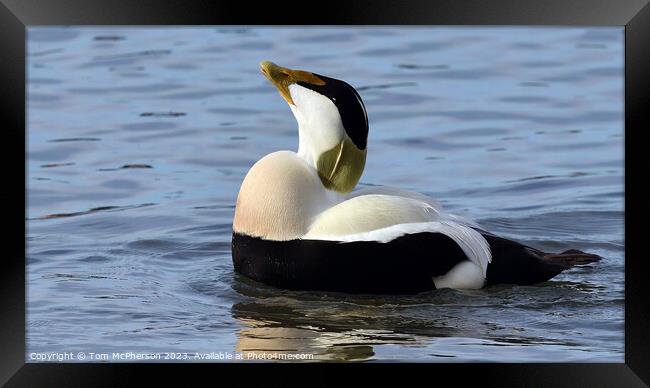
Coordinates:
382 218
388 190
369 212
473 244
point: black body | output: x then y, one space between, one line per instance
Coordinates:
404 265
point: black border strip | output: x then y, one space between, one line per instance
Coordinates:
12 113
637 95
15 15
337 12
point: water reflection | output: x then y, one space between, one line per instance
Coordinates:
274 323
271 331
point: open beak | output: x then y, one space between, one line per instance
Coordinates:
282 77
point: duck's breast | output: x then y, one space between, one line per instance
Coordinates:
279 198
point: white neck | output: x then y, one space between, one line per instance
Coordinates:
304 151
319 123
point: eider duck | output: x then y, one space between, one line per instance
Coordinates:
300 225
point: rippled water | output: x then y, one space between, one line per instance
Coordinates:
139 138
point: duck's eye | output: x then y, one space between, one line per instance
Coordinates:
284 73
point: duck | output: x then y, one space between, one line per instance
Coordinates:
301 222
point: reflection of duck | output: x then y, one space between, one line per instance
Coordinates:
273 323
273 332
299 225
258 342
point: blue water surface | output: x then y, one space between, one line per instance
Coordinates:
138 140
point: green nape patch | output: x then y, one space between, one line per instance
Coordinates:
341 167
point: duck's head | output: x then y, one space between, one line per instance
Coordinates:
332 123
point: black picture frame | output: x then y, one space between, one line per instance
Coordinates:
17 15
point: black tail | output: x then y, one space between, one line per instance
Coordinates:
515 263
571 258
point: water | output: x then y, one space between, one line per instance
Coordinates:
138 140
